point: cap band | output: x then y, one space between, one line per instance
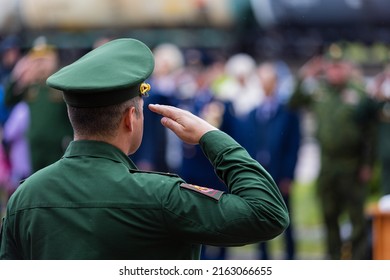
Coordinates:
99 99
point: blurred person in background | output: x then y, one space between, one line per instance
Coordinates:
10 53
240 88
275 137
195 94
49 130
375 109
242 83
160 150
329 87
17 146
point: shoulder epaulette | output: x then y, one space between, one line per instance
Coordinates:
215 194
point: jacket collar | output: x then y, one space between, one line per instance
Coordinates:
98 149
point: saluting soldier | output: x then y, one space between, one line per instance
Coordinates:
329 88
48 127
94 203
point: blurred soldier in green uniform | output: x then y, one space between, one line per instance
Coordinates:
94 203
49 130
330 89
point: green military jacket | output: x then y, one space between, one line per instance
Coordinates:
95 204
338 130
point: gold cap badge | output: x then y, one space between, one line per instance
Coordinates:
144 89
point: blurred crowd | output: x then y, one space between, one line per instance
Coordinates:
261 104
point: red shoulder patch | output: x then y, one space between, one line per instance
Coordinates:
215 194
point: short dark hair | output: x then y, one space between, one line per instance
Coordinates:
100 121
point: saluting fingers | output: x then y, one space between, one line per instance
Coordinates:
164 110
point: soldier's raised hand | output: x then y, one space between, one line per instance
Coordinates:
188 127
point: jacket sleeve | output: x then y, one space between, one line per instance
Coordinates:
251 212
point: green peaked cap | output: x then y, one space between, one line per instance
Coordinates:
107 75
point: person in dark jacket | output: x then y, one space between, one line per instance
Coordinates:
275 137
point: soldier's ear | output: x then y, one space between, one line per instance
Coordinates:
130 118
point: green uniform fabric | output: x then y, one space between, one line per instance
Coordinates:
95 204
345 147
49 130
